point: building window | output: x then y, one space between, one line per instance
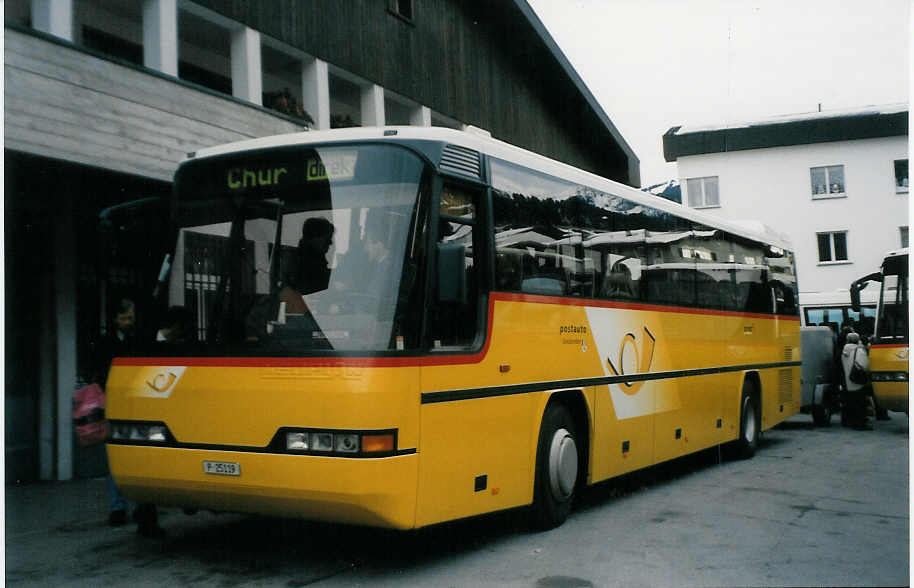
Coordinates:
832 246
402 8
124 49
904 236
345 102
827 181
703 192
204 49
282 80
901 175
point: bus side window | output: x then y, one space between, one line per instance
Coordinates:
785 302
453 315
508 270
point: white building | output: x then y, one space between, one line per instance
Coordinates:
836 183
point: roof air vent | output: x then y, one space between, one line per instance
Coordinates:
460 161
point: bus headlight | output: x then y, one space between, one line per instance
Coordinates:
339 443
139 431
297 441
322 441
346 443
889 376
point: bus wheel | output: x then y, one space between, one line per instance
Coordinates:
556 468
749 426
821 415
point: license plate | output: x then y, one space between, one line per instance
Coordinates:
222 468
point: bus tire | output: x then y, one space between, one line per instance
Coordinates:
557 468
821 415
749 423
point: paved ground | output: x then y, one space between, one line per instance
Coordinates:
816 506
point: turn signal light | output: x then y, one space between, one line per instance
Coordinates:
377 443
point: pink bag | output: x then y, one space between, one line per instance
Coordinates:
89 415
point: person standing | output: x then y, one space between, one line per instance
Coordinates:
118 341
121 341
854 355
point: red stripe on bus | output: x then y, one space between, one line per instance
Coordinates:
426 360
565 301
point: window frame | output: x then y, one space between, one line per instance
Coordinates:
903 188
394 8
831 241
481 262
828 182
903 235
702 180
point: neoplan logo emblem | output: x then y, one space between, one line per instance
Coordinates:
642 359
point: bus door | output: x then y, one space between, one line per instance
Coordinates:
472 441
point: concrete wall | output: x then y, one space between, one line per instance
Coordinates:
773 186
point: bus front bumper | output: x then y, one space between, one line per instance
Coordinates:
379 492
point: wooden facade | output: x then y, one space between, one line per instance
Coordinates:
63 103
483 62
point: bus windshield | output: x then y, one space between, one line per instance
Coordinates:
294 250
892 325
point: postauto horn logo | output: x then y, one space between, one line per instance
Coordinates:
158 381
628 347
642 359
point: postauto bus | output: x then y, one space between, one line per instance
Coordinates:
889 351
403 326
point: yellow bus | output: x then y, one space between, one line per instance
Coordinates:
889 353
833 310
398 327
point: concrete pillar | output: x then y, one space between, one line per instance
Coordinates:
160 35
247 80
54 17
372 106
315 91
47 373
421 116
65 318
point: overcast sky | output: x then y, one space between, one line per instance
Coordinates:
655 64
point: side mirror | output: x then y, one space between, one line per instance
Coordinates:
860 284
452 281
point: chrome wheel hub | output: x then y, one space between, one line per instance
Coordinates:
563 464
750 423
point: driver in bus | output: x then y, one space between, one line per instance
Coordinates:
311 273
